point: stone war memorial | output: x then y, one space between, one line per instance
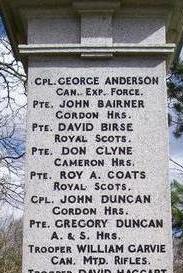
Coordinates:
97 191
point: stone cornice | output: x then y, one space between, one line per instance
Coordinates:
15 13
97 51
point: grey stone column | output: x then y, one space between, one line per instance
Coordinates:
97 190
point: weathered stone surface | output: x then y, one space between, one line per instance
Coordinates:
125 203
98 196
